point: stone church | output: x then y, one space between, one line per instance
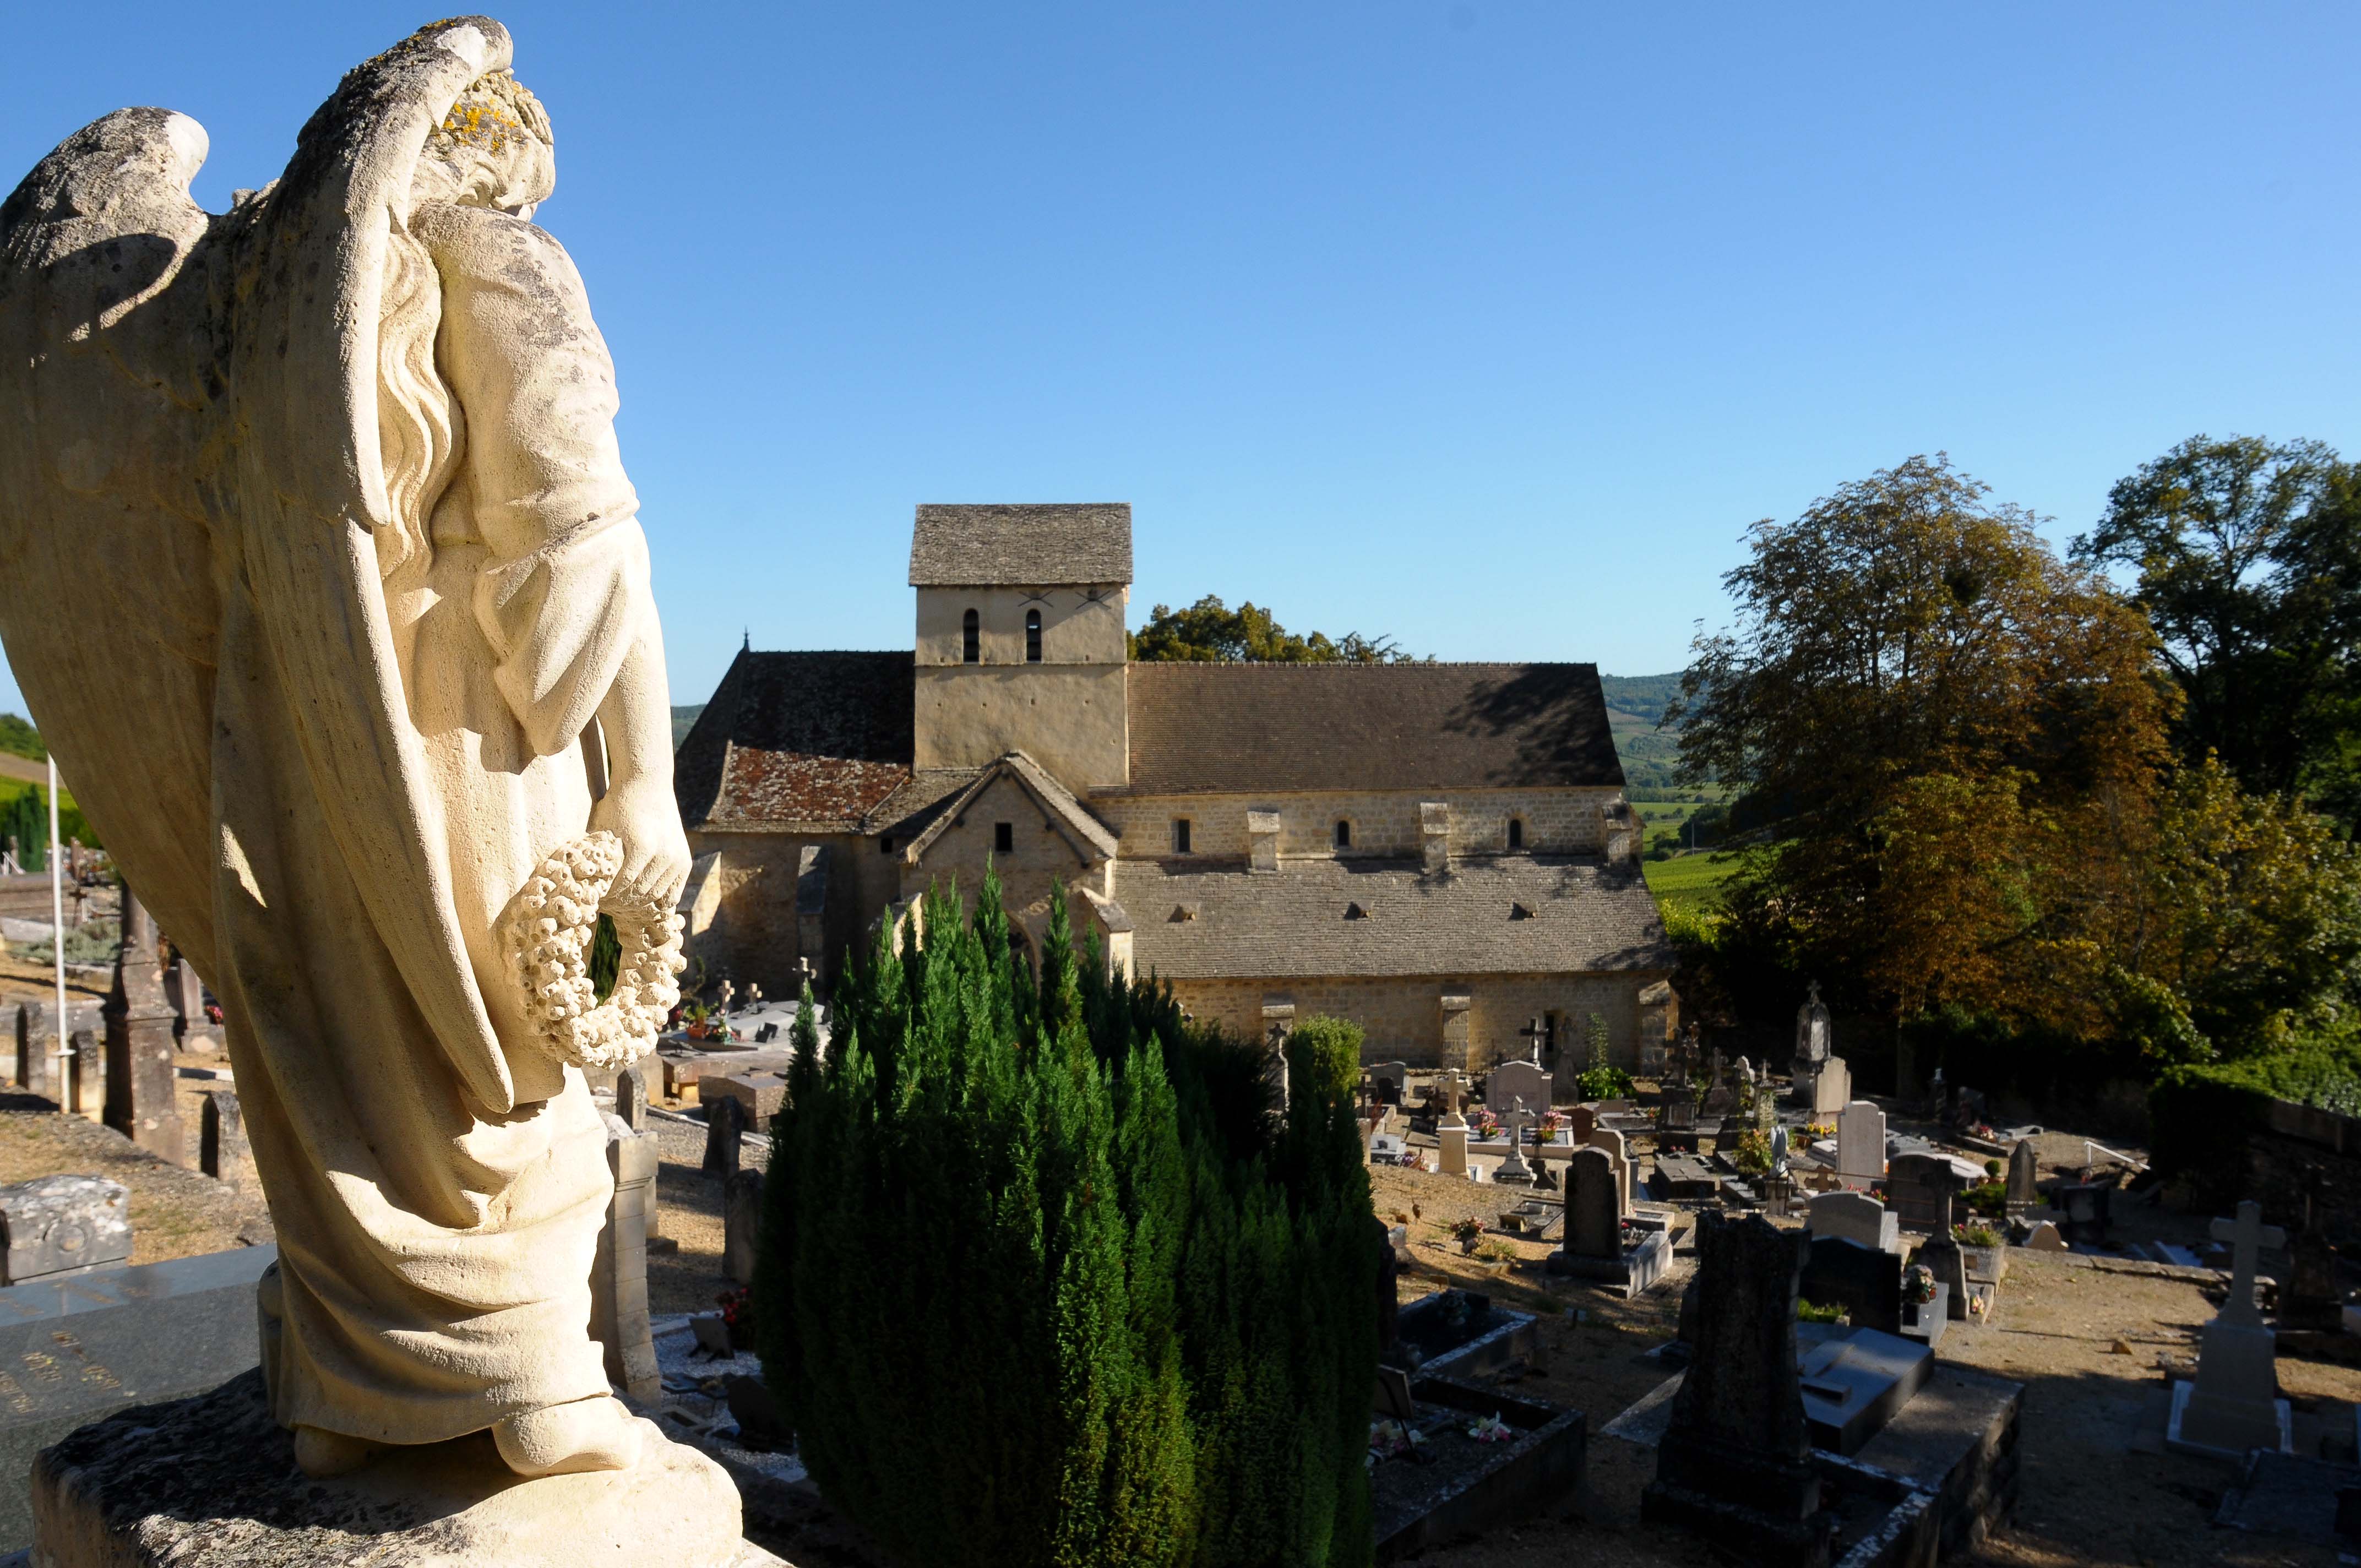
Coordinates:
1441 852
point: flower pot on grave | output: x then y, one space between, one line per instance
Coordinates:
1986 1264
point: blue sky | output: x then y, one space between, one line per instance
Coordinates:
1488 327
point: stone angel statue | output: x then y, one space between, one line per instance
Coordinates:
323 578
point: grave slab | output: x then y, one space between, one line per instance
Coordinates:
1855 1381
77 1348
55 1226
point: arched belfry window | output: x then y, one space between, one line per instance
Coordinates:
1032 636
972 639
1344 834
1516 832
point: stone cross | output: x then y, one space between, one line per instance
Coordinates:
753 994
2247 1236
1514 1120
1537 1032
728 991
1719 1061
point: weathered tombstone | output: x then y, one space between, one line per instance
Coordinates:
1514 1081
1390 1079
760 1095
618 1276
1580 1119
56 1225
1858 1218
1513 1171
2024 1173
725 1123
1865 1281
2310 1298
1735 1463
2087 1206
1594 1247
742 1223
1919 1189
2233 1406
223 1153
36 1043
1611 1140
1939 1254
1815 1033
142 1102
75 1351
632 1097
2045 1237
1450 1141
1860 1144
1831 1087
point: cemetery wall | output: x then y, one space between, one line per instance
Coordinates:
754 935
1402 1019
1385 824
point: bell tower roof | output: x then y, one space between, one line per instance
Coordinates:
1027 546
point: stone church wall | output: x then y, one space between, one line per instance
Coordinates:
1385 823
1404 1017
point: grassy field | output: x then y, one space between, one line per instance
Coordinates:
1693 879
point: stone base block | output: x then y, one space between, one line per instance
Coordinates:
2221 1429
212 1483
1634 1273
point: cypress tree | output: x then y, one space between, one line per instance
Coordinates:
1044 1282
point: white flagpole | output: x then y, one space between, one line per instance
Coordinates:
58 927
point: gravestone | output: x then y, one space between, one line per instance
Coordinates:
1860 1144
1513 1171
2310 1298
1514 1081
2045 1237
1580 1121
1735 1461
2087 1206
1450 1145
632 1097
58 1225
2023 1174
725 1123
1831 1087
74 1350
36 1043
223 1153
1919 1189
741 1223
762 1095
142 1101
618 1274
2233 1406
1858 1218
1594 1247
1611 1140
1865 1281
1390 1079
1939 1254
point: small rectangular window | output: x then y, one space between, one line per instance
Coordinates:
1180 834
1003 837
1032 636
886 845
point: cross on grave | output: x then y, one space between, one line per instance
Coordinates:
728 991
1536 1031
1514 1120
2247 1236
1719 1061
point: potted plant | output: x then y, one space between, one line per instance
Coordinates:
1917 1291
738 1316
1468 1233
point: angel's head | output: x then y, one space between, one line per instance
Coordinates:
493 150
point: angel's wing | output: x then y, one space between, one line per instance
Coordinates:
240 386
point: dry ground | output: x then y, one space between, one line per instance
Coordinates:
2084 1497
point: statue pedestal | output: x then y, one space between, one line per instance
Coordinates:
212 1483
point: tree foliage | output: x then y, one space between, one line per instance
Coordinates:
18 738
2248 562
1211 632
1043 1280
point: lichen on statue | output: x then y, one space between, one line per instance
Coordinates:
342 732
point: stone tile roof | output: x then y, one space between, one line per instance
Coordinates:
1247 727
810 743
1021 546
1200 920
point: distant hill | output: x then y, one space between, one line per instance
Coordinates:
684 715
1634 704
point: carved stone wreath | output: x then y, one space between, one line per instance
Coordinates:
546 932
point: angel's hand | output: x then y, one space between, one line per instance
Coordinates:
640 810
